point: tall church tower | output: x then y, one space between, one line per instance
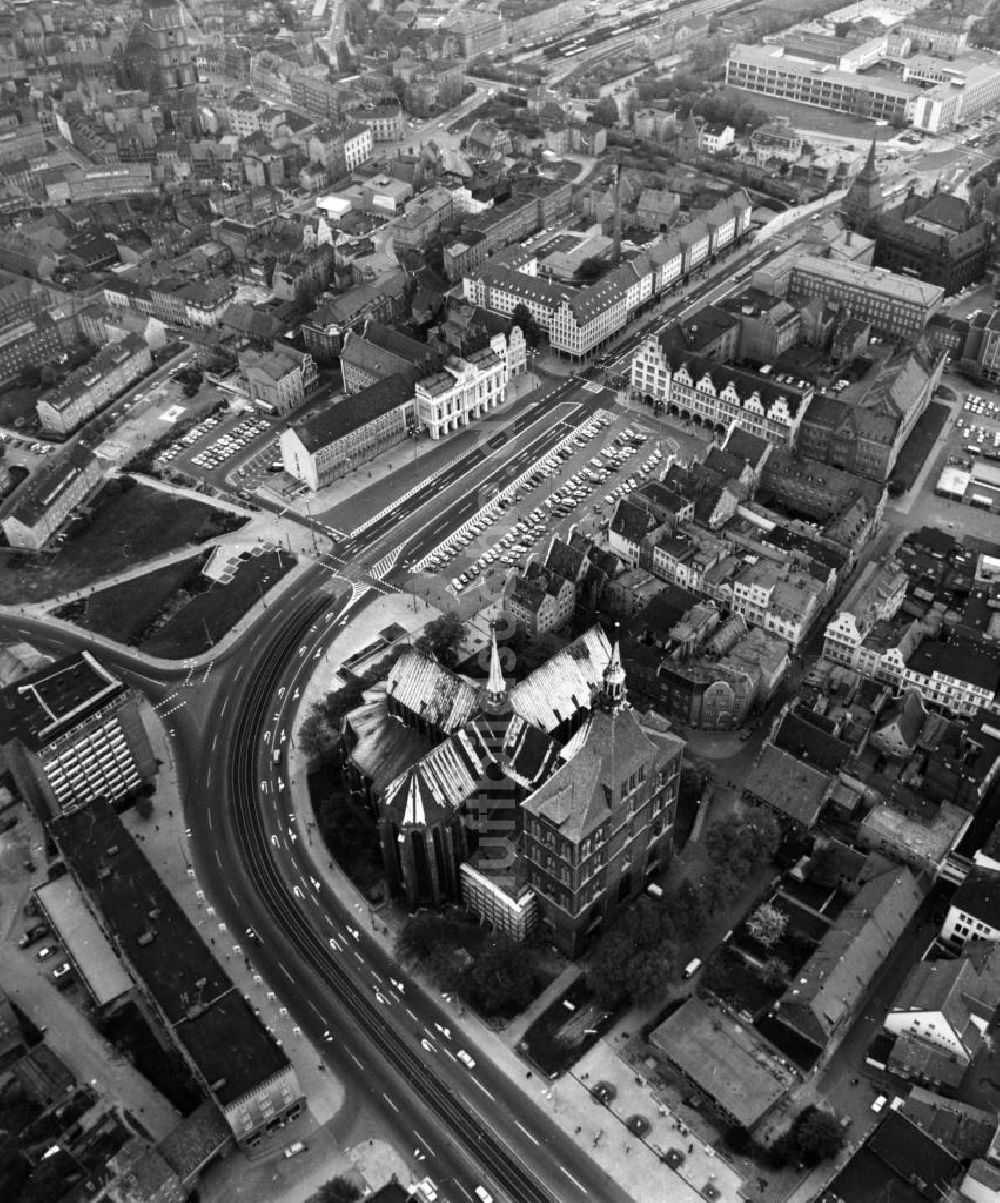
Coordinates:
865 201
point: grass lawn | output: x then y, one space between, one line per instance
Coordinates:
207 617
17 406
807 117
560 1036
128 526
125 611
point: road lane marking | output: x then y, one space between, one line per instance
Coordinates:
578 1185
424 1143
209 820
285 971
483 1089
390 1102
412 1016
526 1132
356 1061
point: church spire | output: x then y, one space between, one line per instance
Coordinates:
870 166
496 686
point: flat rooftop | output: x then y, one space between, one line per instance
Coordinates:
164 950
40 707
725 1059
95 959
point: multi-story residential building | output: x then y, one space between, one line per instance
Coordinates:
161 46
897 307
325 329
315 95
778 597
716 136
958 677
877 601
461 392
326 446
717 395
380 351
477 33
72 733
37 340
184 990
36 510
974 912
422 219
579 321
776 140
205 301
863 429
278 380
342 149
539 601
941 1015
385 121
94 385
304 274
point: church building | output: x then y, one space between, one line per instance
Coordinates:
546 803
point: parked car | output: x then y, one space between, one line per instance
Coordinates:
293 1149
45 952
61 970
35 932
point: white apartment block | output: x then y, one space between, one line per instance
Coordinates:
463 391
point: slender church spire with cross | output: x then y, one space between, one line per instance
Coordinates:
494 697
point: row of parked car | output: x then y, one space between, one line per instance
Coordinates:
61 970
518 541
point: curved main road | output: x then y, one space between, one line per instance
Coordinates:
467 1127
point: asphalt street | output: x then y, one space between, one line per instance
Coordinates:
465 1127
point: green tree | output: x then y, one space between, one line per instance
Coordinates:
767 924
774 973
421 936
636 958
501 979
529 327
741 844
606 112
815 1136
591 269
689 905
336 1190
443 637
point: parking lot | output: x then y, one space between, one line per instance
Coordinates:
497 534
213 448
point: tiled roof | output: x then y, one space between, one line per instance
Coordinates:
354 411
427 689
565 684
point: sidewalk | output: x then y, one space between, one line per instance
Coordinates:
256 531
395 472
338 1140
635 1164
